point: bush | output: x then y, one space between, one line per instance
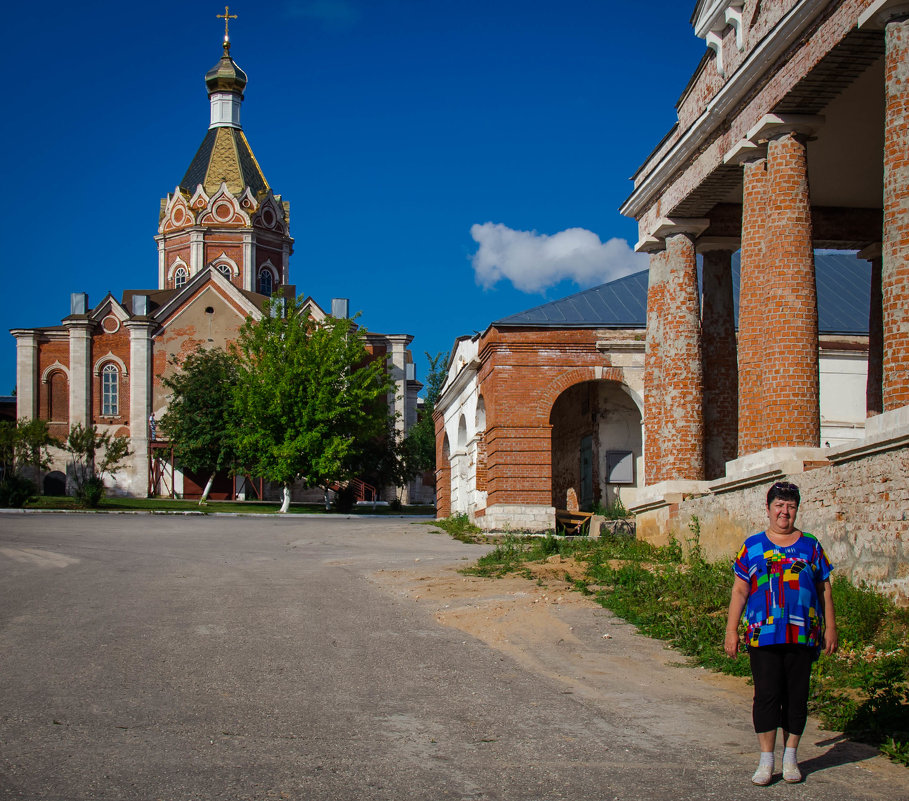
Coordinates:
91 492
15 491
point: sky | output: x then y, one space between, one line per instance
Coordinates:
447 163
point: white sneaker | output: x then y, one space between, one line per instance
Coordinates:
762 775
791 772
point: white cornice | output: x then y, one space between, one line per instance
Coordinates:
715 16
723 103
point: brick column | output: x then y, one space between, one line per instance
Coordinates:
895 249
443 471
791 391
720 366
751 352
653 368
874 398
683 418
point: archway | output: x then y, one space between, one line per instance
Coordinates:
596 446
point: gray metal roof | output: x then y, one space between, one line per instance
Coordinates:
843 293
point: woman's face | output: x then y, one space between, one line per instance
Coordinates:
781 515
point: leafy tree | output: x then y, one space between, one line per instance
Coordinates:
418 450
308 397
84 444
198 418
23 444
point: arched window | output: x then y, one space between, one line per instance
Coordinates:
179 277
224 269
265 282
110 391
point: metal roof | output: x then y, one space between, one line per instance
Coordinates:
843 294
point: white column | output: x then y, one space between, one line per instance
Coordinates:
196 250
26 373
249 263
397 370
80 371
140 395
162 267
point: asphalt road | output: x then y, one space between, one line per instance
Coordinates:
160 657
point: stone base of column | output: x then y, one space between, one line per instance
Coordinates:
516 517
883 432
772 461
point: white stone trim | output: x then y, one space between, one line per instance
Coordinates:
178 262
52 368
227 261
109 357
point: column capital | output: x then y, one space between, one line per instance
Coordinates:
670 226
709 244
771 126
870 252
880 12
745 151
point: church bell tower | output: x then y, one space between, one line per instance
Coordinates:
223 213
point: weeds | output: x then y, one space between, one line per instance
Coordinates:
459 527
674 594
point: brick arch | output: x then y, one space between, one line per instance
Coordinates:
576 376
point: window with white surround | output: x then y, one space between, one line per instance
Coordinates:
224 269
110 391
180 277
266 282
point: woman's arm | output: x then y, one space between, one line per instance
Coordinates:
825 598
741 589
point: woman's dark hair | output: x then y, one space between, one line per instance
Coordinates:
785 492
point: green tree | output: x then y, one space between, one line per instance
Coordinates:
84 444
199 412
308 397
23 444
418 451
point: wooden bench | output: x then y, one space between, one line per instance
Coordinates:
573 523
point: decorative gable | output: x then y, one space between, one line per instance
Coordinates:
177 214
224 209
270 215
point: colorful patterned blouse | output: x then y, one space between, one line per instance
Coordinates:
783 606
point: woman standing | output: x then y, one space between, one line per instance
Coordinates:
782 584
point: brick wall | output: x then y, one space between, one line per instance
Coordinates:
858 510
895 250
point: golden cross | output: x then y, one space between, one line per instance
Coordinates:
226 16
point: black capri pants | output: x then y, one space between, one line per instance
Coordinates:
781 676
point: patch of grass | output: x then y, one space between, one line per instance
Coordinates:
674 594
66 503
460 528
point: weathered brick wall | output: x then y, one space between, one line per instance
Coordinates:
789 314
653 368
895 277
829 28
682 436
720 366
859 510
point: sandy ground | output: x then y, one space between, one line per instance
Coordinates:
562 636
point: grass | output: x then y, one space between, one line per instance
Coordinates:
66 503
674 594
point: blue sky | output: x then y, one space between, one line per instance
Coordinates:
447 163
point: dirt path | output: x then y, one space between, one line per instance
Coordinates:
562 636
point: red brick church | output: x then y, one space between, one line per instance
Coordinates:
224 247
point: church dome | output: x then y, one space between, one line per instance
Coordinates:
226 76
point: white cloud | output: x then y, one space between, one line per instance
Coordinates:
533 261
